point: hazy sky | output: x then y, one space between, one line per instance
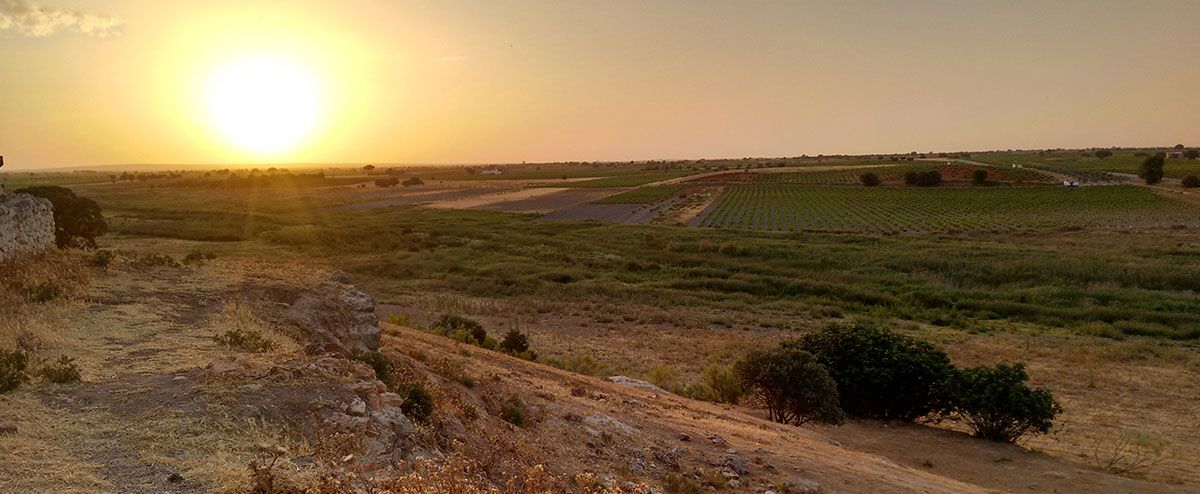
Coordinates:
442 81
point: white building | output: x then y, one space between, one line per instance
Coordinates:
492 171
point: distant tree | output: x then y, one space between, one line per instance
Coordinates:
792 385
411 182
869 179
368 168
387 182
1151 170
979 177
1190 182
1179 146
514 342
1191 154
77 220
911 178
1103 153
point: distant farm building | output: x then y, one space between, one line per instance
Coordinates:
492 171
1175 154
1018 165
1070 183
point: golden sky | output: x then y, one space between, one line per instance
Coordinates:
214 81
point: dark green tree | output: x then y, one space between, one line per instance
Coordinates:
1151 170
869 179
77 220
793 387
998 405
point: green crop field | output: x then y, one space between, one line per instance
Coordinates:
644 195
896 174
898 210
1085 167
628 180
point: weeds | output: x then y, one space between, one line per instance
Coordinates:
248 340
12 370
62 371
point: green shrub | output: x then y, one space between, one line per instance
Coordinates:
1190 182
418 404
723 382
1151 170
979 177
155 260
513 411
62 371
380 364
44 292
869 179
470 326
997 404
77 220
790 383
678 484
102 258
197 257
12 370
246 340
514 342
880 373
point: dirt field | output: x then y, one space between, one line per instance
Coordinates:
559 199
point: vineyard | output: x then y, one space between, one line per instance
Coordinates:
899 210
1091 168
895 175
644 195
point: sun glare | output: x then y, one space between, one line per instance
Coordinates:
264 104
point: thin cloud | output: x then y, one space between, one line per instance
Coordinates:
454 58
31 20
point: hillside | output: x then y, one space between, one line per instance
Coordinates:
162 407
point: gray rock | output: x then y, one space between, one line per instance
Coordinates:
337 317
801 486
357 408
737 464
26 225
636 383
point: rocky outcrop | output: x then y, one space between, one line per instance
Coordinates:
636 383
337 316
26 225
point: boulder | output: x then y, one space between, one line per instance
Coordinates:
636 383
26 225
337 317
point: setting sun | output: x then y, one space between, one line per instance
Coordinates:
264 104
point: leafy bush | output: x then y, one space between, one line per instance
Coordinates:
387 182
470 326
724 383
513 411
12 370
380 364
196 257
880 373
102 258
869 179
1151 170
516 343
1191 154
979 177
246 340
77 220
418 404
791 384
997 404
1103 153
1190 182
155 260
412 181
43 292
928 178
62 371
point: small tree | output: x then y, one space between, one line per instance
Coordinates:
790 383
881 373
724 382
979 177
1190 182
869 179
77 220
1103 153
1191 154
459 323
1151 170
998 405
387 182
368 169
911 178
514 342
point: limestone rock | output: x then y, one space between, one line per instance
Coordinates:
26 225
636 383
338 317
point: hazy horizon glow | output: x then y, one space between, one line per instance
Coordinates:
125 81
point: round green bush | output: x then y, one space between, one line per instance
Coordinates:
790 383
997 404
880 373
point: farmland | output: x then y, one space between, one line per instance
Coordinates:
1086 167
895 174
900 210
642 195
